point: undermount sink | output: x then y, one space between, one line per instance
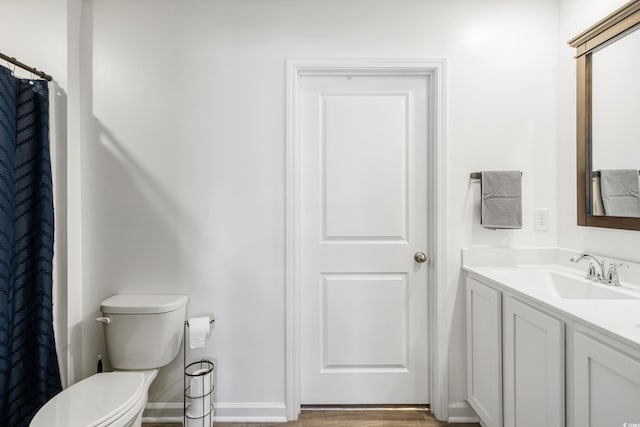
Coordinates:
560 285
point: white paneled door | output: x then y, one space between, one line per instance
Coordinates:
364 232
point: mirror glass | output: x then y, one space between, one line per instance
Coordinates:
615 127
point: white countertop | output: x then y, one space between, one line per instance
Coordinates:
618 318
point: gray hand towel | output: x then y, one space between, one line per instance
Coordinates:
501 199
620 192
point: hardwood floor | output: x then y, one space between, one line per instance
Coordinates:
345 418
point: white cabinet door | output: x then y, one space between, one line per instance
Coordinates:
533 367
484 352
606 385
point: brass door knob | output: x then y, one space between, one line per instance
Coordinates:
420 257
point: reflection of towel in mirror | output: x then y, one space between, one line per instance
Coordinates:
620 192
501 199
596 205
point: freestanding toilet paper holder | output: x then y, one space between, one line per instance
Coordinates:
198 390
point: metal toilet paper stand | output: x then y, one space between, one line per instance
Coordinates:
197 383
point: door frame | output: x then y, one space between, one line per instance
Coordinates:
438 329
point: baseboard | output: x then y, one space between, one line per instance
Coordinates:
250 412
267 412
162 413
240 412
461 412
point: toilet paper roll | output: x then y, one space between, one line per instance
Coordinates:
199 328
200 393
199 406
200 383
198 422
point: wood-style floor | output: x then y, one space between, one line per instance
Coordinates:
345 418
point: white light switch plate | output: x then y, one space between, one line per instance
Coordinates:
541 219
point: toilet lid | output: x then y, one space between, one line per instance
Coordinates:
93 401
142 304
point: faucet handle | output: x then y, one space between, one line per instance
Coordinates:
612 274
591 272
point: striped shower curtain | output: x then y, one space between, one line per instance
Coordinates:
29 374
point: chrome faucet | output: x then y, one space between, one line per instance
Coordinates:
596 269
596 264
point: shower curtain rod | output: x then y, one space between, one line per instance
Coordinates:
14 61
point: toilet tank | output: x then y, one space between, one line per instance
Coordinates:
143 331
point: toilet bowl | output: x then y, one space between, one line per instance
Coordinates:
114 399
143 333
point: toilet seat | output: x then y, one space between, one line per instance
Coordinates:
108 399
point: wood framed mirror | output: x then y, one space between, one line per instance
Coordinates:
608 120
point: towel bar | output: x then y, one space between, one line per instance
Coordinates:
478 175
597 174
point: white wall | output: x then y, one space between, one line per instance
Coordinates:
576 16
35 32
183 168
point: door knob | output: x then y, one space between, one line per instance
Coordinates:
420 257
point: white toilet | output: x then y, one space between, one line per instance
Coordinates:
143 333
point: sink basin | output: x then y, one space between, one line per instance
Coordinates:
573 288
560 285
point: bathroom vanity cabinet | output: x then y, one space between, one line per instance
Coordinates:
518 346
520 351
606 381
